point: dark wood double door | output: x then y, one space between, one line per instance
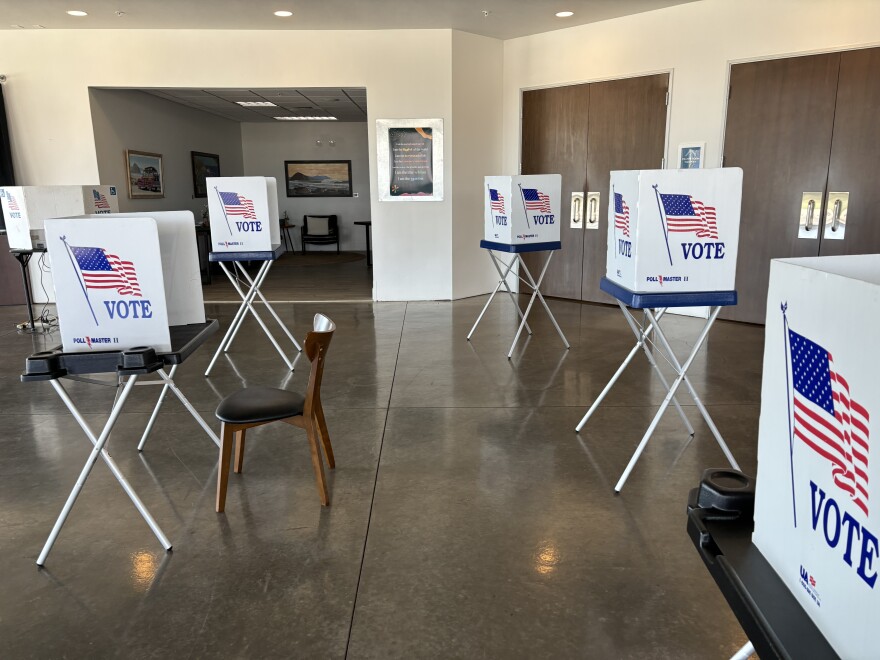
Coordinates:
798 125
583 132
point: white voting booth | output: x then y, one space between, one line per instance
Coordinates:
672 243
243 212
127 285
109 285
26 209
674 230
817 506
521 214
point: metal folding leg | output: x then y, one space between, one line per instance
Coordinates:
268 307
501 282
682 373
641 333
536 291
168 383
746 652
705 413
99 450
247 306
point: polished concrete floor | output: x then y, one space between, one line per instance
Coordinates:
468 520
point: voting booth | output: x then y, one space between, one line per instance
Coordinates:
522 210
109 285
243 212
817 500
672 243
521 214
129 305
674 230
26 209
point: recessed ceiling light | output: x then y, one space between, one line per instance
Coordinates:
38 27
77 12
564 14
283 14
254 104
306 118
17 26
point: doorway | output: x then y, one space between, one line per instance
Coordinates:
583 132
803 129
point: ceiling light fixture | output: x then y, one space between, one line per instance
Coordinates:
77 12
564 14
305 118
255 104
284 14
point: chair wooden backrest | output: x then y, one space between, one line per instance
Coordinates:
316 344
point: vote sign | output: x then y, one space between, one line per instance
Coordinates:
817 508
108 284
241 213
674 230
520 210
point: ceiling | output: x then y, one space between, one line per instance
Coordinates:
346 104
502 19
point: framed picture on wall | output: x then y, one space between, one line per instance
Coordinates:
204 165
691 155
145 180
317 178
410 159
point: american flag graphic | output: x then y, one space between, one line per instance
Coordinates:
621 214
827 419
102 270
100 201
235 204
536 200
684 214
13 204
496 201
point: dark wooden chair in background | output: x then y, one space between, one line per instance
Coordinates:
320 230
255 406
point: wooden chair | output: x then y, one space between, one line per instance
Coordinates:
326 234
255 406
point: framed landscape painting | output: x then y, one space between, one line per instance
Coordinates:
204 165
317 178
145 179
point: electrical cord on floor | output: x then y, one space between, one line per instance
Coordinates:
45 322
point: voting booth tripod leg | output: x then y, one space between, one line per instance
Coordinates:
641 333
705 413
669 395
536 291
746 652
271 311
168 383
501 282
98 450
254 290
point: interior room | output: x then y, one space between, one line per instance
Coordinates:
503 331
316 125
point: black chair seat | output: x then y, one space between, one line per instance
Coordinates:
254 405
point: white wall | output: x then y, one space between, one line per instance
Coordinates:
476 87
697 41
128 119
407 73
266 146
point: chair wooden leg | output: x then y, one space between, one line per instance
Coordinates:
239 451
226 433
317 462
325 436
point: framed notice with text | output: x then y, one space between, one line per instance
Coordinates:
410 159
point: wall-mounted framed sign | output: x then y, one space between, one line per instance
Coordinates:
410 159
691 155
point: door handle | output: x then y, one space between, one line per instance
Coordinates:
807 225
577 210
835 216
593 210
